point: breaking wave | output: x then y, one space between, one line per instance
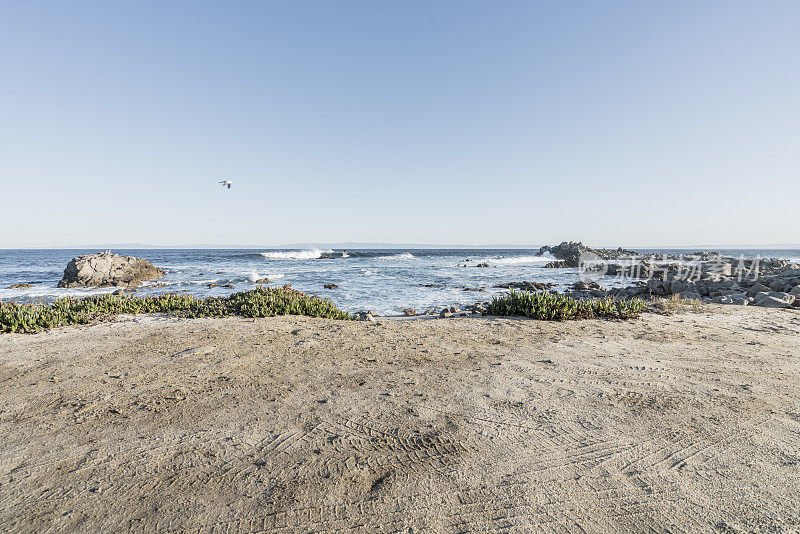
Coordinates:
254 276
312 254
402 256
544 258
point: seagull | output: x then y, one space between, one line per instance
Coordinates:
226 183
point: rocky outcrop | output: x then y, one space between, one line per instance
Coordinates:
773 291
709 276
571 253
107 269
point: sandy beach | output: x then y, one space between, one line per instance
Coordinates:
665 423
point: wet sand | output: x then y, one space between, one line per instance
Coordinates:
666 423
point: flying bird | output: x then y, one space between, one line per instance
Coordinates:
226 183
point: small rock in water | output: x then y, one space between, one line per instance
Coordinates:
19 286
409 311
331 286
482 265
262 281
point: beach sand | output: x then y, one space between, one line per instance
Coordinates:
666 423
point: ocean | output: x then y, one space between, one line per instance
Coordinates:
383 280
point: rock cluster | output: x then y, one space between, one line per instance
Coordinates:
106 269
778 290
570 254
709 276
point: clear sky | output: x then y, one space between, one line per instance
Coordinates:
460 122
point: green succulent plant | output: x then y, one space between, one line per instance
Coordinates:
260 302
554 307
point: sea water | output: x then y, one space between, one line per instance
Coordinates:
383 280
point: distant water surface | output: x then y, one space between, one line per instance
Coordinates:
385 281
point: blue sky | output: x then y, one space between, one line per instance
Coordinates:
632 123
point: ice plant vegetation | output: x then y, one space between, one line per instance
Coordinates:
260 302
554 307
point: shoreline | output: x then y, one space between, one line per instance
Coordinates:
387 281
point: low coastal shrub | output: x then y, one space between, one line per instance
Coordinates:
260 302
676 304
554 307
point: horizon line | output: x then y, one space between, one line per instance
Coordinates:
380 245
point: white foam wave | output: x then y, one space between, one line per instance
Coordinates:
516 260
253 276
312 254
405 256
48 292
